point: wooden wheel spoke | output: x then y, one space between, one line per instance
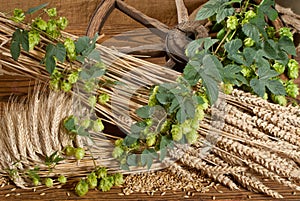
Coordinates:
154 25
182 12
153 50
99 17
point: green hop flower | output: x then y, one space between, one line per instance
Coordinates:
103 98
89 86
293 69
249 42
292 89
98 125
199 115
54 84
33 39
278 67
117 152
285 31
62 179
281 100
119 142
85 123
66 86
118 177
101 172
166 126
176 132
105 184
48 182
79 153
152 98
227 88
192 136
266 96
69 150
73 77
19 15
92 180
247 72
92 101
40 24
62 23
69 45
232 22
150 141
51 26
51 12
81 188
271 32
250 14
186 126
35 181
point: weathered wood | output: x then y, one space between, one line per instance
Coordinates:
102 12
182 12
155 26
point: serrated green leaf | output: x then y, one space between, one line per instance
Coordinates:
258 86
91 73
233 46
249 54
205 12
132 160
124 167
191 72
260 23
94 55
251 31
147 157
212 89
266 7
81 44
270 49
60 52
266 73
229 73
223 13
261 62
211 65
137 128
49 58
69 124
129 140
25 40
276 87
37 8
286 44
15 50
282 58
143 112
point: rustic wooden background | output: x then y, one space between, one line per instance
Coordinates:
79 12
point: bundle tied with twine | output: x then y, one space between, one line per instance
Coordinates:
241 137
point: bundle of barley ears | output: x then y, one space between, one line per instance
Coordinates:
242 136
